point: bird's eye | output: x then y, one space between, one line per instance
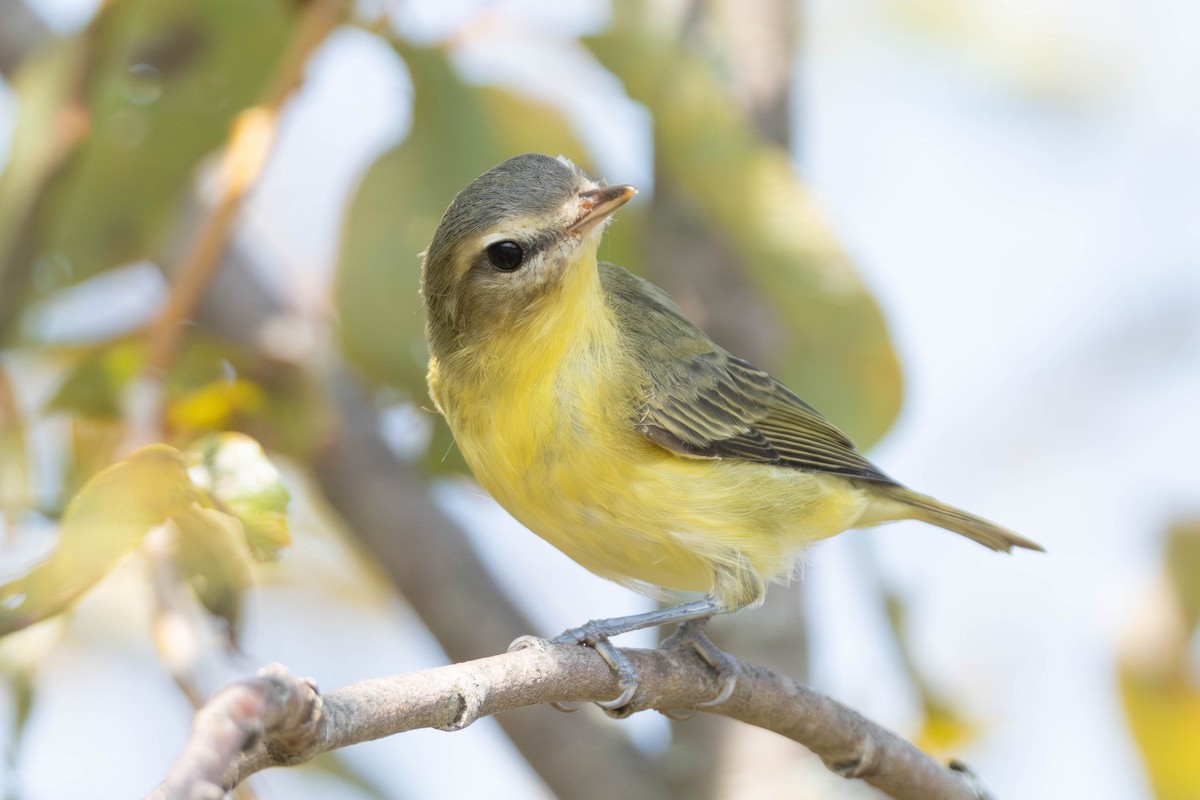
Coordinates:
506 255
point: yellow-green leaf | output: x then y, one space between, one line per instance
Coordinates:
105 521
214 557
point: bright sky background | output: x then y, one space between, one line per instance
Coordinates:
1022 194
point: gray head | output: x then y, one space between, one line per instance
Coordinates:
506 241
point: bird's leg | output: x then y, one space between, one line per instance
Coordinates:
596 634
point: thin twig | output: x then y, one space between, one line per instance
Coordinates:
253 134
182 635
177 637
280 720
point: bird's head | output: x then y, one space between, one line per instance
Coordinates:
509 244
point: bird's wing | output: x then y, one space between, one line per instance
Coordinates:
719 406
701 402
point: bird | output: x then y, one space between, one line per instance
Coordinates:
601 418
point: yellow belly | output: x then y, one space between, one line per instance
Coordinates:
583 479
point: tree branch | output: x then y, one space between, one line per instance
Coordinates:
23 31
277 719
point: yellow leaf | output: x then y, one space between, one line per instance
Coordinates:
1164 716
213 405
945 731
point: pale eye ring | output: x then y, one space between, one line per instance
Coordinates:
506 255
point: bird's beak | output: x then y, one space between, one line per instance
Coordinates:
597 205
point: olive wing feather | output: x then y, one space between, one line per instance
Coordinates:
702 402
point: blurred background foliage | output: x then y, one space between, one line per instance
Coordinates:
154 383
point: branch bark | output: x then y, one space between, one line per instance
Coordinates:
277 719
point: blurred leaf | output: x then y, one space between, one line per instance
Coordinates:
746 198
21 689
459 131
94 445
214 558
159 84
1158 680
105 521
215 385
1164 717
214 404
15 495
22 654
1183 567
944 731
91 395
94 387
47 129
165 83
237 474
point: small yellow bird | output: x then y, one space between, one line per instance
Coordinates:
612 427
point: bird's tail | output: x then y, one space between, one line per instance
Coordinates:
907 504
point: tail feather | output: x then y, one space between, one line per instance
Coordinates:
913 505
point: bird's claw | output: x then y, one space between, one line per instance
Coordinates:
691 635
627 675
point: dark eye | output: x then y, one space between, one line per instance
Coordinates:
506 255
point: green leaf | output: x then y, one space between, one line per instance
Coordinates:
43 86
458 131
157 86
239 477
104 522
214 558
721 180
95 385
